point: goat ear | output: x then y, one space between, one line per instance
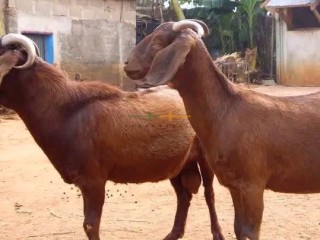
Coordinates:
7 61
167 62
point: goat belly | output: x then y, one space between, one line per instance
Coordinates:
150 172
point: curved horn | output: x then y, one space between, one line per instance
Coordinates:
27 43
37 49
183 24
203 25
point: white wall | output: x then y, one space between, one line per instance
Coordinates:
298 56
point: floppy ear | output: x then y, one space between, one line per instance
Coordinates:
167 62
7 61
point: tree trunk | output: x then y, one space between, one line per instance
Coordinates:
2 27
157 6
177 9
159 2
250 21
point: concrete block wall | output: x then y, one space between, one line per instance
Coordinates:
2 26
91 37
110 10
97 54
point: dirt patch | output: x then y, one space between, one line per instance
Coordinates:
6 111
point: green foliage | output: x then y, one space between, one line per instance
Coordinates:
223 24
210 3
234 25
221 19
249 10
232 22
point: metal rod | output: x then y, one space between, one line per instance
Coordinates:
272 47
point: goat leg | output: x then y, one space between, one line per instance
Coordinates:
207 176
248 207
93 199
183 203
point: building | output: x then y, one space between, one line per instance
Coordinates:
89 39
297 41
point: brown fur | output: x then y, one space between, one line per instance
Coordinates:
253 141
93 132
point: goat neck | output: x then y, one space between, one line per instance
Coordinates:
206 92
36 94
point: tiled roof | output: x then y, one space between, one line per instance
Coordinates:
288 3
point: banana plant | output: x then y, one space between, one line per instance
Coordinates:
177 9
225 26
250 8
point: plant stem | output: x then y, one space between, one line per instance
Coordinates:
177 9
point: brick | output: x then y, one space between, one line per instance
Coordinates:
60 10
129 17
97 4
112 6
25 6
43 8
12 3
75 12
65 2
83 2
11 19
104 14
89 13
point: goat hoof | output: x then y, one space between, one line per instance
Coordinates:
91 232
218 236
174 236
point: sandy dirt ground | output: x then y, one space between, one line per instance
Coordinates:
36 204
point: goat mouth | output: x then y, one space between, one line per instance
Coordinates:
139 78
140 82
134 75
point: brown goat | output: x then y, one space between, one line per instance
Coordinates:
93 132
252 141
